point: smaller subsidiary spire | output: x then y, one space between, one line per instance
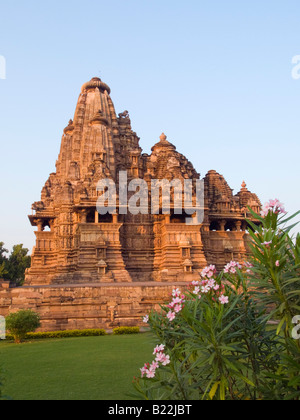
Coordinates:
164 143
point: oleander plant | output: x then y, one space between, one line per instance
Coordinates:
233 335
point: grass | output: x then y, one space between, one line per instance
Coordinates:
88 368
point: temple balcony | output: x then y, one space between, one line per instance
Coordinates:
45 241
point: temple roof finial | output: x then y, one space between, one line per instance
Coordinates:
244 186
163 137
94 83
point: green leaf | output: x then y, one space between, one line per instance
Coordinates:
280 326
214 390
246 380
284 221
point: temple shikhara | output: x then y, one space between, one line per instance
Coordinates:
91 270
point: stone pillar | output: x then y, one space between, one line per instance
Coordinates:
51 224
238 225
83 216
115 218
222 225
40 225
96 217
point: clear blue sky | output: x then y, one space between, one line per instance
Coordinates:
215 76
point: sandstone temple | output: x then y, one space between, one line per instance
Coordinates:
91 270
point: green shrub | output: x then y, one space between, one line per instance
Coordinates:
21 323
126 330
217 340
62 334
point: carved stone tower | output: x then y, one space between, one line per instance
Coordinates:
81 246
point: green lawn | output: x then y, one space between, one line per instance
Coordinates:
89 368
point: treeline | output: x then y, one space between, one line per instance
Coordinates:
13 266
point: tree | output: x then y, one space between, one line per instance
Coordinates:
2 252
18 262
3 271
13 267
3 262
22 322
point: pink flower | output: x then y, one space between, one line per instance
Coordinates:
163 359
177 308
154 365
274 206
166 361
144 371
232 266
277 263
160 357
171 316
267 244
196 291
209 272
146 319
176 293
177 300
150 373
265 210
159 349
211 283
223 299
205 289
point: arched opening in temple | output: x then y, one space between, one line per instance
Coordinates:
230 226
46 226
178 218
106 218
214 226
90 218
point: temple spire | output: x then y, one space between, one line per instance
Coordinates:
90 132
